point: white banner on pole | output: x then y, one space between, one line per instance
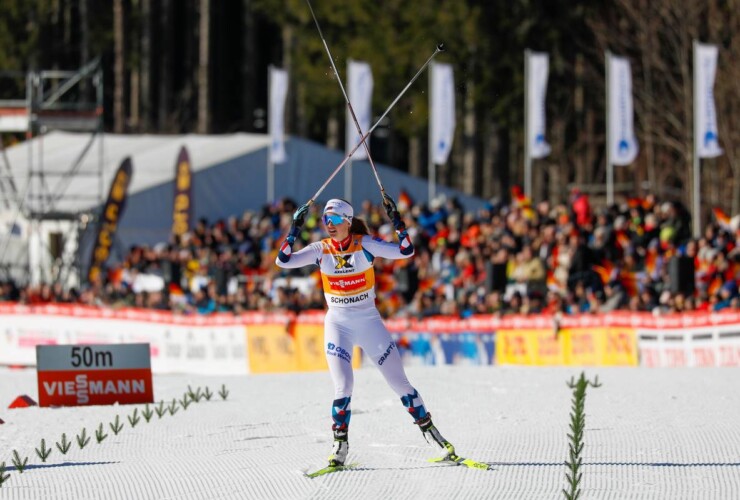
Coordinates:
621 141
705 124
442 111
539 65
278 92
360 93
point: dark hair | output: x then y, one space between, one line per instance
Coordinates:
358 226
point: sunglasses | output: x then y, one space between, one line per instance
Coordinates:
333 219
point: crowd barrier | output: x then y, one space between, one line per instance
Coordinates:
285 342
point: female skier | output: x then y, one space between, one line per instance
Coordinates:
346 263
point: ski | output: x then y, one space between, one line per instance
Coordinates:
330 469
458 460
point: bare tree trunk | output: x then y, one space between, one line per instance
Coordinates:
647 40
332 132
118 55
203 62
469 143
490 146
592 147
584 133
84 33
145 64
165 70
134 116
554 187
415 156
295 116
248 64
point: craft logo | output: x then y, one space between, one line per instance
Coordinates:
386 354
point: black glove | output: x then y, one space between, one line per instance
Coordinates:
299 216
392 211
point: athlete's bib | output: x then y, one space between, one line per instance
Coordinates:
347 275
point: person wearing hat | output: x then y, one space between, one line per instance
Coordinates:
345 259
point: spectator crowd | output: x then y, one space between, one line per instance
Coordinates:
513 258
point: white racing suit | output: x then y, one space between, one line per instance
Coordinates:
352 319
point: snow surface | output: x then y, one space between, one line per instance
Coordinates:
650 433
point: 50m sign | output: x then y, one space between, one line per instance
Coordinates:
70 375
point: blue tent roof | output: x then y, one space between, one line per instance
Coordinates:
239 184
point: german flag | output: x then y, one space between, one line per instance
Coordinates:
552 282
628 280
651 261
714 286
405 202
605 271
522 202
722 219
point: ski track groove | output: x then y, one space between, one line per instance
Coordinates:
668 433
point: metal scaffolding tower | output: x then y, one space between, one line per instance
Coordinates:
53 100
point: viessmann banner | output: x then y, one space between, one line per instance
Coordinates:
82 375
109 218
182 208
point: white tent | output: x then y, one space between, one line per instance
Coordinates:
153 157
68 180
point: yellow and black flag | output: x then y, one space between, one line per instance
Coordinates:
109 218
182 209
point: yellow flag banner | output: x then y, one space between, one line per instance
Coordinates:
109 218
182 208
599 346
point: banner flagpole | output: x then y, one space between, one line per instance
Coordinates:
696 170
527 125
270 163
431 168
609 162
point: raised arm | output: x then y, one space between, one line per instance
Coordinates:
307 256
379 248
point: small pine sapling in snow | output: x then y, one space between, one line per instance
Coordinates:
147 413
173 407
19 464
185 401
83 439
99 434
161 410
3 476
134 418
191 394
64 446
116 426
208 394
223 392
44 452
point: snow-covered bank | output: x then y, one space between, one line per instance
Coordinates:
668 433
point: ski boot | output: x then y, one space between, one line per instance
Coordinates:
341 448
432 435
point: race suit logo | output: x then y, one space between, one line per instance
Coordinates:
348 284
339 352
386 354
343 261
349 300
